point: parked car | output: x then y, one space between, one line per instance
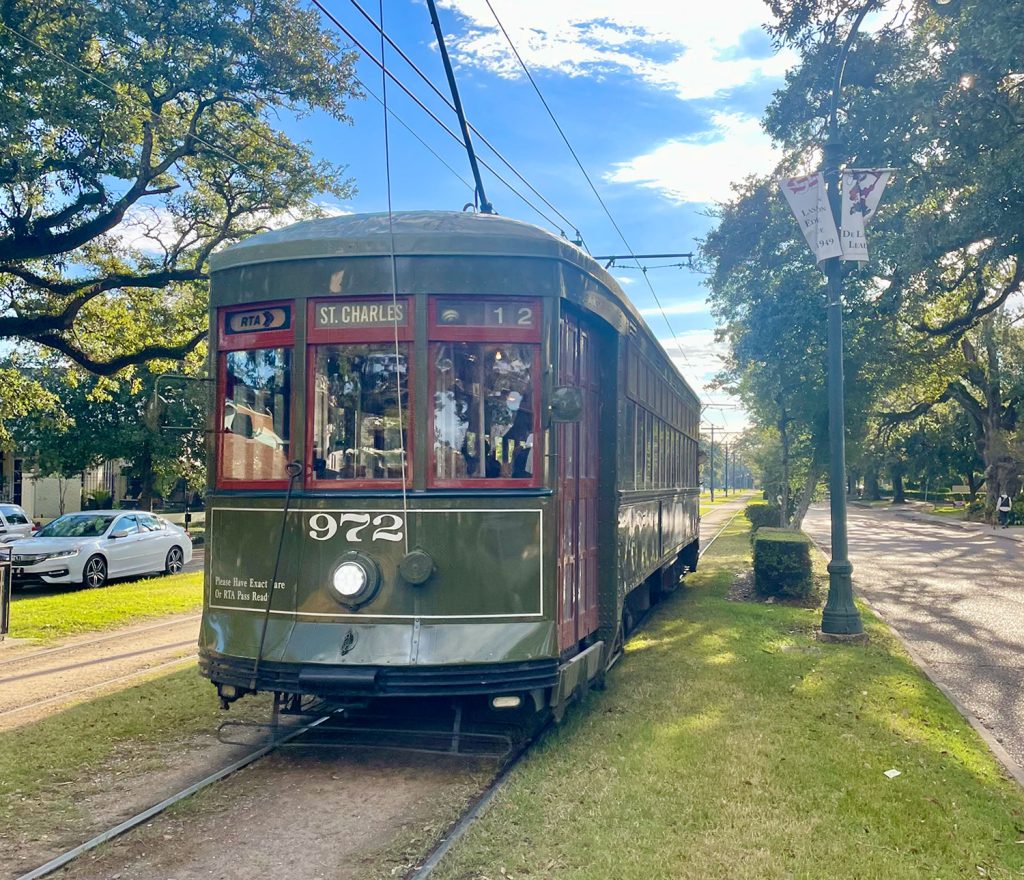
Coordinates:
90 547
14 523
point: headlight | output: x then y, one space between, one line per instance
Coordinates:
63 554
355 579
349 578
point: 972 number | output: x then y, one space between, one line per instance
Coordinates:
387 527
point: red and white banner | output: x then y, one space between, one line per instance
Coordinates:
862 191
809 203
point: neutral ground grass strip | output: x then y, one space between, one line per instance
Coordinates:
730 744
51 616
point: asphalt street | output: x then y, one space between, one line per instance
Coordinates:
956 596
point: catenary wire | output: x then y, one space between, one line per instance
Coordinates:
483 139
394 285
593 188
371 57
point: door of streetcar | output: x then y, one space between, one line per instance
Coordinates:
577 472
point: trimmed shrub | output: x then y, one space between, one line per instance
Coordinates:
782 563
761 514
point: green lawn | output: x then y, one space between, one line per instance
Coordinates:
48 768
730 744
706 503
948 510
49 617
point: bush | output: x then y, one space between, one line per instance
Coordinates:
761 514
782 563
977 511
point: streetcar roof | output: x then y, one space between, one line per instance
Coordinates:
416 233
422 233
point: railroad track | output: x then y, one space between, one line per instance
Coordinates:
120 634
421 872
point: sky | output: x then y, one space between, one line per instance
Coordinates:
660 101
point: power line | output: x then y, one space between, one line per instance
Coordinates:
371 57
593 188
451 106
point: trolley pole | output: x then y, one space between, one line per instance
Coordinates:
712 464
840 617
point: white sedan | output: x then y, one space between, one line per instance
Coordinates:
90 547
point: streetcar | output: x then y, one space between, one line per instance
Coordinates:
448 459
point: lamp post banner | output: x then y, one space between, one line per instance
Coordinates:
808 200
862 191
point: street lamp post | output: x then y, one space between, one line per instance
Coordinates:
840 617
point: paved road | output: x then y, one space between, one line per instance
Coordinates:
956 596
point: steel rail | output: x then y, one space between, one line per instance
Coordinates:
108 835
112 658
119 634
177 661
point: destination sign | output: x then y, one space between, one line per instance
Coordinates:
380 313
486 313
258 320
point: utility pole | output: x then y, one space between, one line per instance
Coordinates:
712 463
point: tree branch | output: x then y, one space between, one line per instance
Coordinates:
109 368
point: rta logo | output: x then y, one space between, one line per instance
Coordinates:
449 316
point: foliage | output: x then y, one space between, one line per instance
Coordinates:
941 99
782 563
91 419
137 141
761 514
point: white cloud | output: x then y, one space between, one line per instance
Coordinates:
692 307
693 49
701 169
150 229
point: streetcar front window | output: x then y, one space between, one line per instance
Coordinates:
360 411
484 419
256 414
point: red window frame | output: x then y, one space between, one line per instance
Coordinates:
441 333
359 336
229 342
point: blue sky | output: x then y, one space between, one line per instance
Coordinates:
661 102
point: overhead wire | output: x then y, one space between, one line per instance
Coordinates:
390 75
593 188
483 139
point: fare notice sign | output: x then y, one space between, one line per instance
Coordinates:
375 313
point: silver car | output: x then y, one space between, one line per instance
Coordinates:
90 547
14 523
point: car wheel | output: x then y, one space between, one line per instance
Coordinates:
175 561
95 572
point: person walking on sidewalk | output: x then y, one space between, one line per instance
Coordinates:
1003 508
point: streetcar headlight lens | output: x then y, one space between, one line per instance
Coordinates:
349 579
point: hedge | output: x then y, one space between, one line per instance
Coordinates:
782 563
761 514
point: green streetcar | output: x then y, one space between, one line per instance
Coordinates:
449 459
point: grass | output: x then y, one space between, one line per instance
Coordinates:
49 767
707 504
731 744
51 616
948 510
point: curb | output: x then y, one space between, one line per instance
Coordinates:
1010 765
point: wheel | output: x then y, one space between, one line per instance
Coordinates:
175 561
95 572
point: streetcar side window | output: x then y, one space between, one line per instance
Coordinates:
360 404
484 411
484 384
256 414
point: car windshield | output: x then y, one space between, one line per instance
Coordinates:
77 525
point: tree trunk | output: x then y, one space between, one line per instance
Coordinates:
807 493
899 496
871 490
784 501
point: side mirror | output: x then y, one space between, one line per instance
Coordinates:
566 404
119 534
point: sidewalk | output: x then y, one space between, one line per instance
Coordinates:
912 512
